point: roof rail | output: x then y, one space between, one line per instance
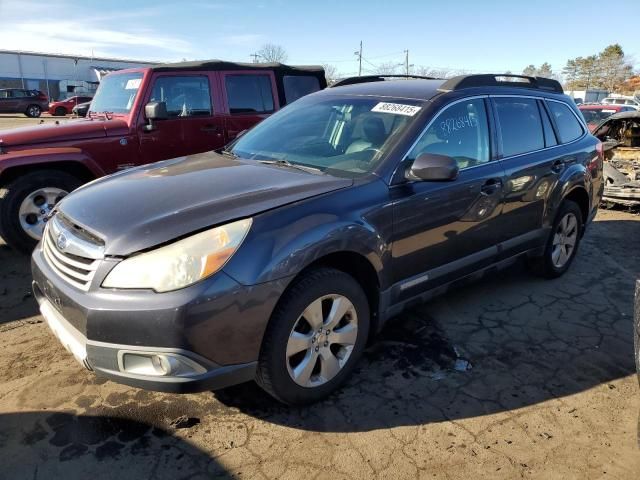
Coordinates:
374 78
501 80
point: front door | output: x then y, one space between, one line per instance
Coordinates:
8 104
443 229
191 126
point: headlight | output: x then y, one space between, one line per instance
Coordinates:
181 263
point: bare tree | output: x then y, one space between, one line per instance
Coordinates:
387 68
270 52
330 73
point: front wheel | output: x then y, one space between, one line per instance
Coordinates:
563 242
33 111
314 338
26 202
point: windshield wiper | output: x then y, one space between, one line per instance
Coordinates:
228 153
286 163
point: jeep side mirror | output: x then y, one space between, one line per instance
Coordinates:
155 111
433 167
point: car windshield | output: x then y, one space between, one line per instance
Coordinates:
341 136
117 92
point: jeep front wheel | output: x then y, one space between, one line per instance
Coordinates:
26 202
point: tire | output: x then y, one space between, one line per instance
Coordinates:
15 193
60 111
546 265
275 373
33 111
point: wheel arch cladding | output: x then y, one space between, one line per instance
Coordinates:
580 196
72 167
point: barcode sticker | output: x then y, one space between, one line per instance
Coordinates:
396 108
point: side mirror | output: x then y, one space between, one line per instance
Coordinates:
155 111
433 167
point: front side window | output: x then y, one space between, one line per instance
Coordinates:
116 93
5 93
569 127
520 125
341 136
249 93
460 131
186 96
296 86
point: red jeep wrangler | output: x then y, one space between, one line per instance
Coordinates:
137 116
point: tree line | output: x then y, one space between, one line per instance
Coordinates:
611 70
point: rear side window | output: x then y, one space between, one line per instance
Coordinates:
20 94
187 96
249 93
460 131
520 125
569 127
296 86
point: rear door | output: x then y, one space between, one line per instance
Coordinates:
444 229
533 160
250 97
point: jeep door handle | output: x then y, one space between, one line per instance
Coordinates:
491 186
210 128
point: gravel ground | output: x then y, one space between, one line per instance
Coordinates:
509 377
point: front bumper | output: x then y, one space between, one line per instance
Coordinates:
626 194
216 325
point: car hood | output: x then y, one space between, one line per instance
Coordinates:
150 205
80 129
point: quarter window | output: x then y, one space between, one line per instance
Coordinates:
249 93
520 125
296 86
460 131
185 96
569 127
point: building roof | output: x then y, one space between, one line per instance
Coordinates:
224 65
74 57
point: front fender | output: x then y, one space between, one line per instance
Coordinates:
40 156
285 241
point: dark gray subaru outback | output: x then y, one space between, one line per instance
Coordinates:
277 258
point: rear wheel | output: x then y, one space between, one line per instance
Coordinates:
33 111
563 242
26 202
60 111
314 338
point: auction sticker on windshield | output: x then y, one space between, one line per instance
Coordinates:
396 108
133 84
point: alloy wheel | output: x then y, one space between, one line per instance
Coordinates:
35 208
564 240
322 340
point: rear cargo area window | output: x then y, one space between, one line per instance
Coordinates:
520 125
249 93
569 127
296 86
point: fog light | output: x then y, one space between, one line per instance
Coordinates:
158 364
164 365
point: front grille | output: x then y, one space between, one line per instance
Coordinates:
75 269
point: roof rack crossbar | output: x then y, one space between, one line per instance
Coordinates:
375 78
501 80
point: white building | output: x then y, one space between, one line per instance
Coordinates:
59 76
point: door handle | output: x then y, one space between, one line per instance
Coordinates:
210 128
491 186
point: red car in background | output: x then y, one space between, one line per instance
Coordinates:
595 113
63 107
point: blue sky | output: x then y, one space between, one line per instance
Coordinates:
460 34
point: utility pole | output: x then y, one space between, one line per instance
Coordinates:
359 54
255 57
406 60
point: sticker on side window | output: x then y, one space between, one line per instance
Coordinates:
133 84
396 108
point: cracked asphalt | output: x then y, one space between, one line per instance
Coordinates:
509 377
